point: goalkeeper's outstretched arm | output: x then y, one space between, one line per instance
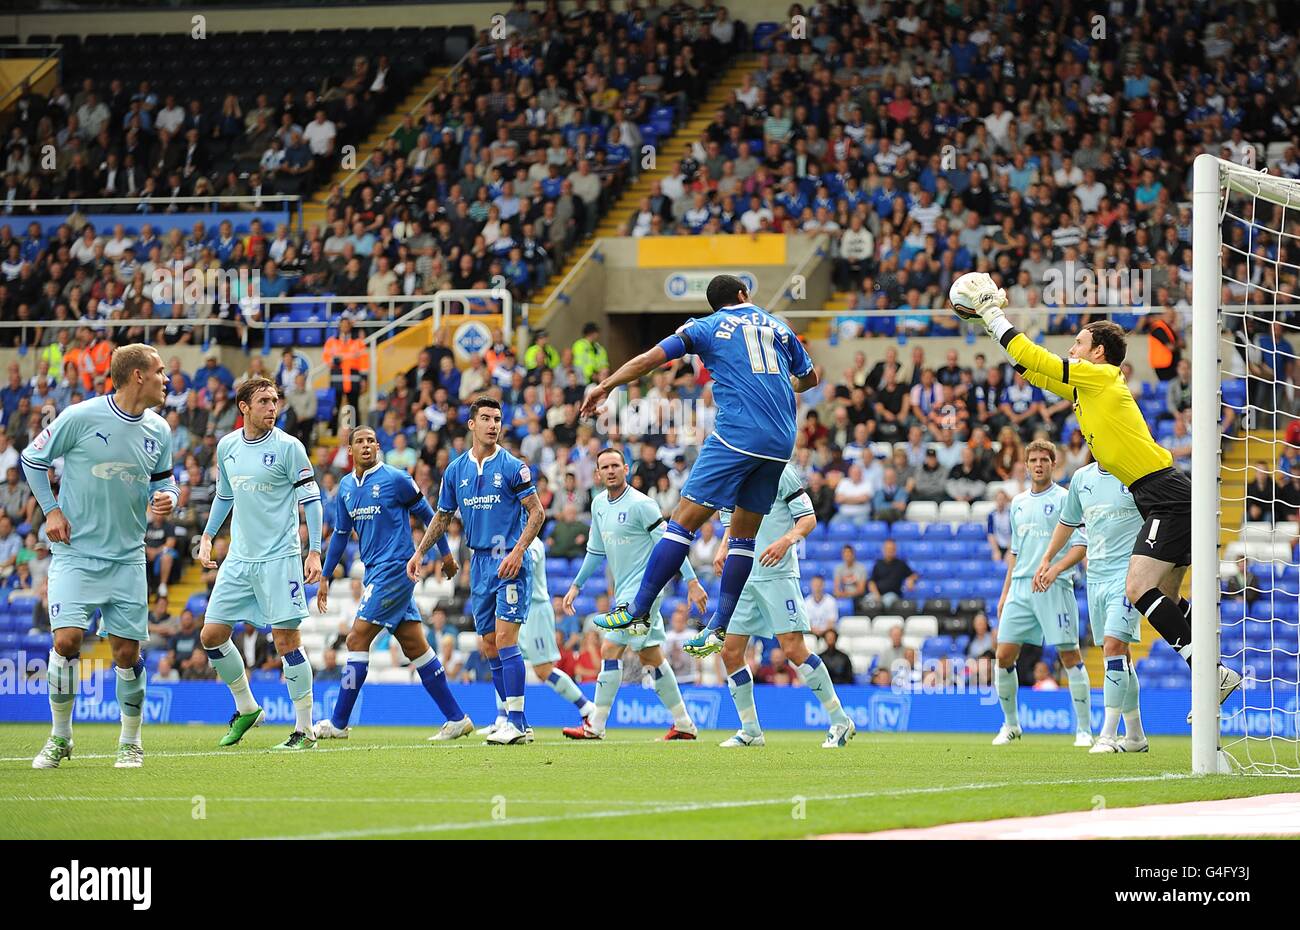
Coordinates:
1041 368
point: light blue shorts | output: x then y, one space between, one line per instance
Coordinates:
1050 618
537 636
1110 613
655 636
79 585
769 607
261 593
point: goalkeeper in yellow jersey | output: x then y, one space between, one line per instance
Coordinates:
1117 434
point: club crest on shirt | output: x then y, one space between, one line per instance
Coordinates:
151 447
622 517
268 459
496 480
374 492
1048 509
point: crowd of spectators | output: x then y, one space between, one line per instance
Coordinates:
1009 141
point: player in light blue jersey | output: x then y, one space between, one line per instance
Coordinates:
263 475
378 501
772 605
1102 508
1048 617
758 364
499 508
625 526
117 467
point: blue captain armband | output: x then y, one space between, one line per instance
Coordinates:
674 346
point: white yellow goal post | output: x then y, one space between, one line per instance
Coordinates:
1244 287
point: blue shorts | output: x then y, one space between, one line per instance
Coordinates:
724 479
491 598
78 585
262 593
388 598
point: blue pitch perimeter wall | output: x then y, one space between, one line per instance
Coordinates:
162 223
1163 711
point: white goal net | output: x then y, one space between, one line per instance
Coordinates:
1246 457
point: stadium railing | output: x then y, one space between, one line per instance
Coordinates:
63 208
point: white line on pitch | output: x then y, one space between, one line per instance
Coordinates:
692 807
243 753
187 799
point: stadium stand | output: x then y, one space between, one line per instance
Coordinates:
925 145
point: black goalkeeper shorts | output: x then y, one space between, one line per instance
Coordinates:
1164 498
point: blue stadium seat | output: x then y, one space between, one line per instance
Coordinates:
844 532
874 530
308 313
280 337
973 531
923 551
940 532
953 550
936 646
325 402
1234 393
904 530
869 551
822 550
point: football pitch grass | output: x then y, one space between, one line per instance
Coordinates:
389 782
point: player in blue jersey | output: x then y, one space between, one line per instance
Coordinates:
537 643
1049 617
263 475
772 605
1102 508
758 364
499 508
378 501
625 526
117 468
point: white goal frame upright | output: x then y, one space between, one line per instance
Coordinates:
1213 180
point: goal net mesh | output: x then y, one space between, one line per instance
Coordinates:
1259 467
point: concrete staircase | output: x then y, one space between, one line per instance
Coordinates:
314 210
668 153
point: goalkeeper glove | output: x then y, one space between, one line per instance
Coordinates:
986 298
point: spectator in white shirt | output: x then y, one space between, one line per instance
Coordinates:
853 497
823 610
320 134
171 117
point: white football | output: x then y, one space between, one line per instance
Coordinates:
963 292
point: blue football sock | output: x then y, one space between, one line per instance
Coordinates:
354 676
735 572
498 679
433 677
512 675
665 561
